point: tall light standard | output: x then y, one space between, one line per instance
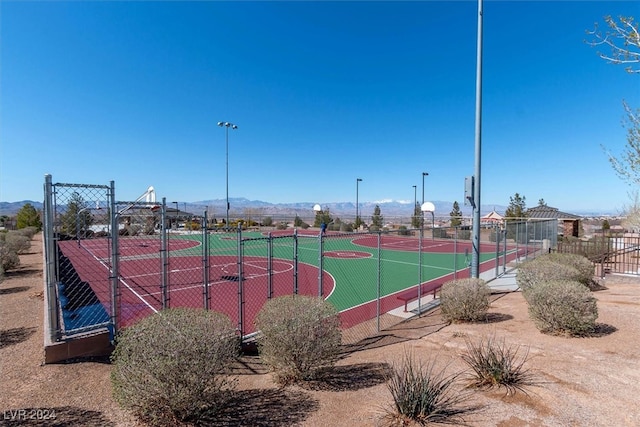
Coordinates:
227 125
176 215
423 175
422 218
357 221
415 203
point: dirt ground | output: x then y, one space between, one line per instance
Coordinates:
593 381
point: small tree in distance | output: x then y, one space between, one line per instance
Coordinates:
28 216
456 215
417 214
516 208
377 218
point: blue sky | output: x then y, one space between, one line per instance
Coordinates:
323 93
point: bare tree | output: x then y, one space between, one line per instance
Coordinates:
622 39
631 222
627 166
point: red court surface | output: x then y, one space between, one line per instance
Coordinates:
141 292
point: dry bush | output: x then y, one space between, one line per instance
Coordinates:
465 300
9 258
171 367
17 242
585 268
297 336
540 270
563 307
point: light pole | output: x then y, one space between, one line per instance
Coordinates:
175 217
422 217
415 202
78 223
423 175
227 125
357 222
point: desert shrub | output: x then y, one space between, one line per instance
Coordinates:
346 228
585 268
403 231
172 366
440 233
9 258
281 225
464 300
17 242
464 235
562 307
298 335
424 394
532 273
495 364
29 231
267 221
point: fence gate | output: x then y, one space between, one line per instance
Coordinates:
77 227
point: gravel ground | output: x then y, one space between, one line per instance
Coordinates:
593 381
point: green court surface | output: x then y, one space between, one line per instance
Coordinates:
354 268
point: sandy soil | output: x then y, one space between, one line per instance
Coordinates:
593 381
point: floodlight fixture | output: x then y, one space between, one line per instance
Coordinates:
227 125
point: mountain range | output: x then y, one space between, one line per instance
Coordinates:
388 208
303 209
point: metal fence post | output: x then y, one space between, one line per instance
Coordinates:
164 256
379 280
498 234
503 233
320 263
205 260
269 266
50 259
240 285
420 272
115 261
295 261
455 253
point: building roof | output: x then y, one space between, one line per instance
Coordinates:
492 216
547 212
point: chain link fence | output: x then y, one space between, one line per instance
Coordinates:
110 263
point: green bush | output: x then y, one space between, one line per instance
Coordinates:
423 395
464 300
532 273
267 221
298 335
493 363
172 366
562 307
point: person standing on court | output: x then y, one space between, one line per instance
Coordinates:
323 228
